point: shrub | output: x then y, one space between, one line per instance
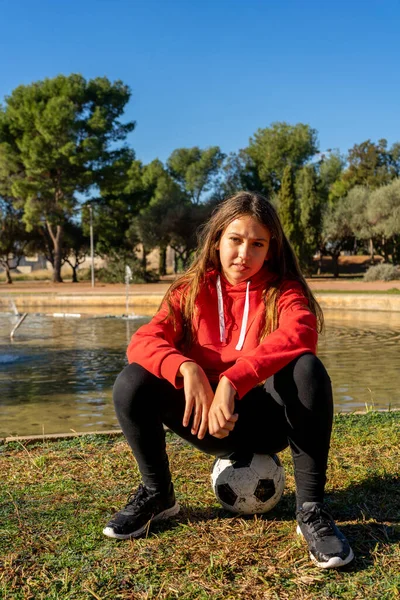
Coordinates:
84 274
114 271
382 272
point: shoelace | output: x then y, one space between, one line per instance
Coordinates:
320 521
138 498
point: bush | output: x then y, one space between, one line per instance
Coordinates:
382 272
84 274
114 272
38 274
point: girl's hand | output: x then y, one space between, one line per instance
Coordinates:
198 397
221 418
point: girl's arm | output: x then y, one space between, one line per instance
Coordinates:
222 417
198 398
296 334
154 346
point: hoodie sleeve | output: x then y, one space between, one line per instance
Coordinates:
154 346
296 334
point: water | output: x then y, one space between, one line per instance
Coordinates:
57 375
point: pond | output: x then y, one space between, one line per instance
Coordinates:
57 375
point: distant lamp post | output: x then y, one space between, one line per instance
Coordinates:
91 243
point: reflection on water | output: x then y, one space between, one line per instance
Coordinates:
361 351
57 375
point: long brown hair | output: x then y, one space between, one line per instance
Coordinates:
282 262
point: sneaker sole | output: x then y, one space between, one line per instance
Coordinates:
170 512
333 563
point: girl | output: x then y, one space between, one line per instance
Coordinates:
228 363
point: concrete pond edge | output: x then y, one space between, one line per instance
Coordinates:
343 300
55 437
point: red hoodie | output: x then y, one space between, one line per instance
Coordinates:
156 345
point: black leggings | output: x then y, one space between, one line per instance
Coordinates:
294 407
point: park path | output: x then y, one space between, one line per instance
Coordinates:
43 287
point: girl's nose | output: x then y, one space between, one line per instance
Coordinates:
244 251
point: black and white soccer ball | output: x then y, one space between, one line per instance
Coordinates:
248 486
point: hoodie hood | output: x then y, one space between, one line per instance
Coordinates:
259 280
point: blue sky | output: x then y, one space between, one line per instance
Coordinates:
212 72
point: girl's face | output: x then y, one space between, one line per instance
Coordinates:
243 248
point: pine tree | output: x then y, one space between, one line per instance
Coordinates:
310 205
288 211
58 139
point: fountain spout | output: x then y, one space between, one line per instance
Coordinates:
19 322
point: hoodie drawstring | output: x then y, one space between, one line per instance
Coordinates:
245 318
222 336
221 316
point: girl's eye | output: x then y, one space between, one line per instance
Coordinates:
258 244
235 239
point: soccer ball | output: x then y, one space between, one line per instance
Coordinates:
248 486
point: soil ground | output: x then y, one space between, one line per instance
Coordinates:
322 284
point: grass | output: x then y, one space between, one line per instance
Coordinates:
39 275
56 496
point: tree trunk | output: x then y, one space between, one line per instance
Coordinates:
186 259
179 258
385 249
162 262
371 250
8 273
396 250
57 264
144 260
320 263
74 275
57 238
335 265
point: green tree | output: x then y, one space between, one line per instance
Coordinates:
196 170
369 164
336 232
171 217
124 192
153 226
330 170
310 207
13 237
288 211
56 137
279 146
362 224
383 209
76 247
240 173
183 223
373 164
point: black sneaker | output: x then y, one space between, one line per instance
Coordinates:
143 507
328 547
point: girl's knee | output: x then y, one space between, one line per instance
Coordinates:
309 367
313 385
127 385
